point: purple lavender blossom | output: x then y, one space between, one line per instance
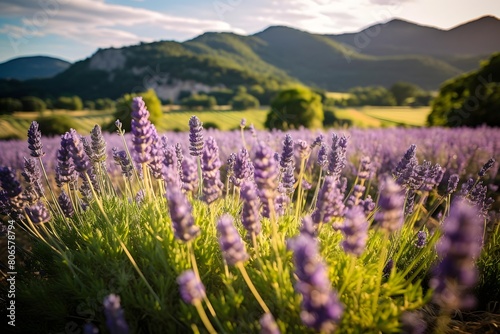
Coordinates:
191 288
250 217
243 169
452 184
388 268
77 152
142 131
98 145
253 132
195 137
355 231
268 324
421 239
33 178
65 170
306 185
337 159
35 140
458 249
330 202
287 154
180 156
288 180
368 205
189 175
122 160
486 167
181 214
308 227
410 202
304 149
65 204
231 160
38 213
212 185
406 164
266 176
115 318
231 245
321 309
323 157
9 183
365 168
318 141
391 203
157 156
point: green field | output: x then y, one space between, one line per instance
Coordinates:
14 126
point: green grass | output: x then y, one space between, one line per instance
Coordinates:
13 126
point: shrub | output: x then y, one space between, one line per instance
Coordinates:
199 101
69 103
244 102
295 107
32 103
56 124
9 105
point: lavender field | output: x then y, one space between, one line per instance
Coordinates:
349 231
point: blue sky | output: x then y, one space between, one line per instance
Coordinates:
74 29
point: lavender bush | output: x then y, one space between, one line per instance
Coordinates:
191 244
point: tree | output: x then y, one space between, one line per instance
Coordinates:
56 125
295 107
32 103
199 102
104 104
404 90
89 105
370 96
9 105
471 99
124 109
244 101
69 103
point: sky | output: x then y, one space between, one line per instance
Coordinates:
74 29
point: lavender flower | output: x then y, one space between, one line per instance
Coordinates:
407 163
38 213
308 227
157 156
337 156
268 324
365 168
8 181
77 152
123 161
243 169
231 245
192 289
212 185
355 231
115 319
253 132
189 176
304 149
458 249
367 204
486 167
323 157
98 145
287 155
33 177
266 176
251 205
391 202
452 184
321 309
243 123
410 202
179 156
412 323
181 214
421 239
318 141
65 170
65 204
330 202
142 131
195 136
288 180
35 140
231 160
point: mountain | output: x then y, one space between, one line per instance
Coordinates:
25 68
399 37
278 56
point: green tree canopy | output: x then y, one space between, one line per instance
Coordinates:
370 96
244 101
471 99
32 103
9 105
69 102
199 101
404 90
295 107
124 109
